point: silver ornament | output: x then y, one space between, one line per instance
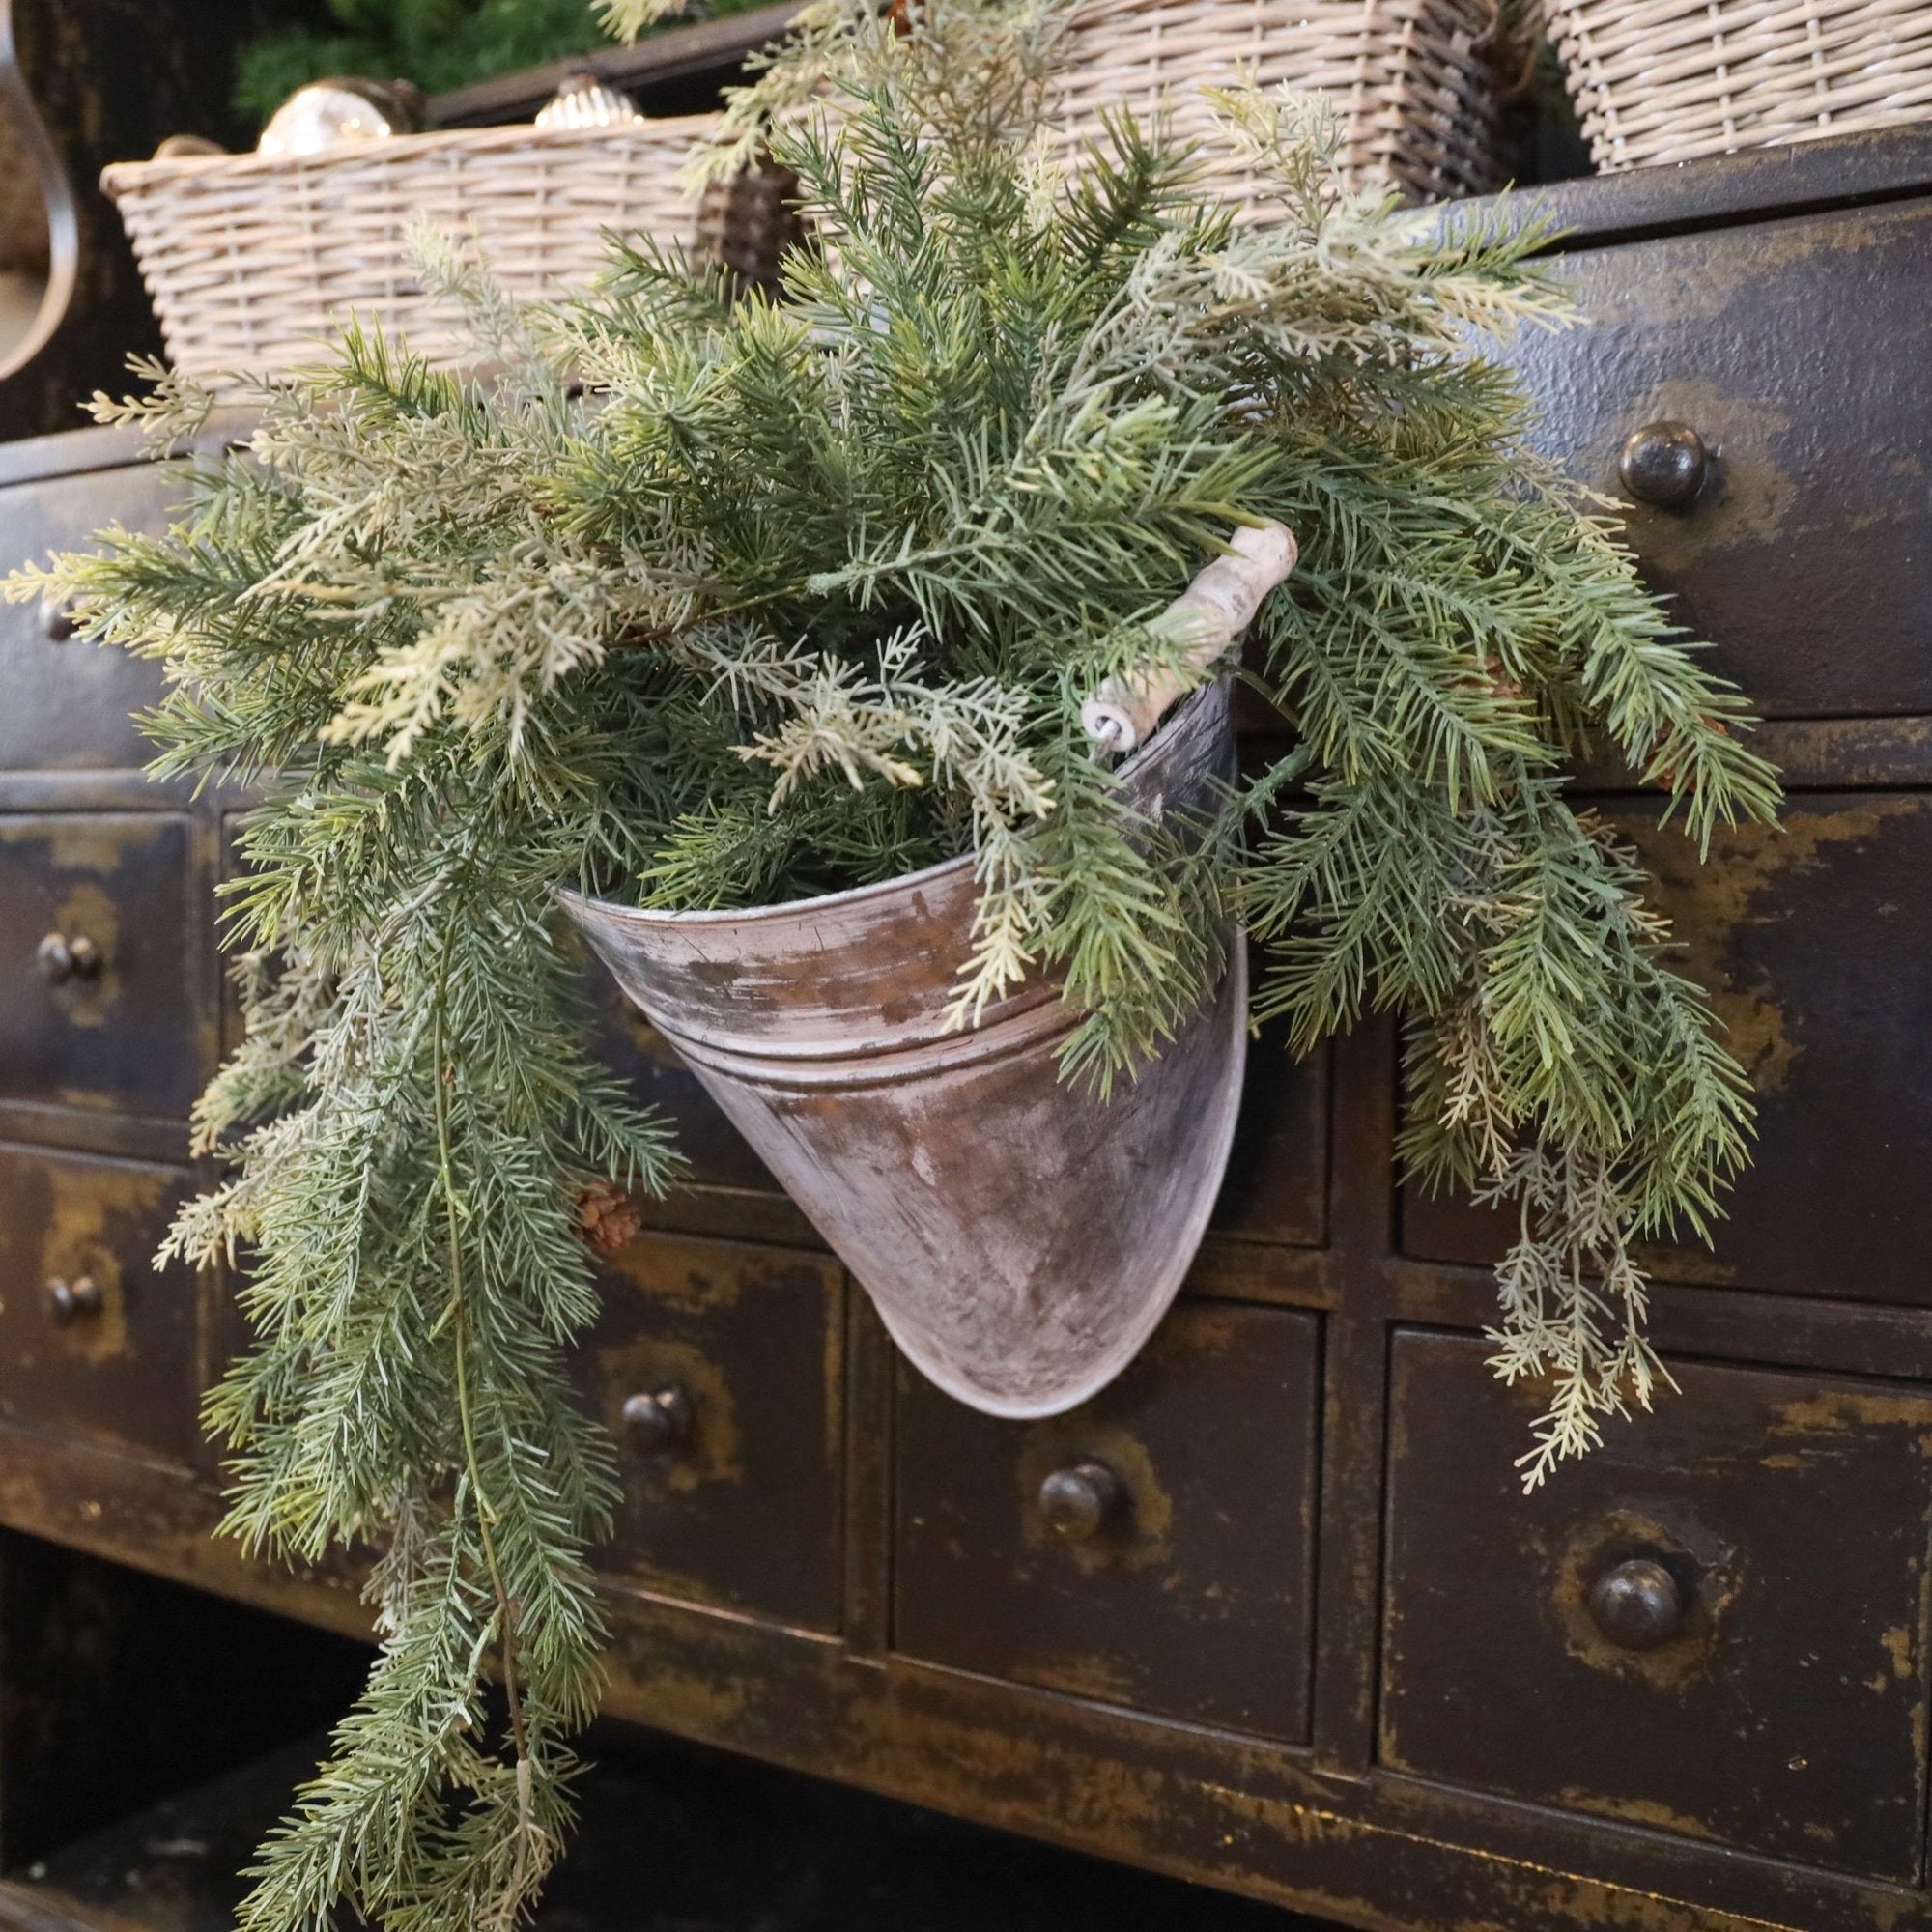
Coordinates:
584 101
329 112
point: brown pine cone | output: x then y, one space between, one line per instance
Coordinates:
608 1217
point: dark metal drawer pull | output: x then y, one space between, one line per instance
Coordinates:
1078 1503
659 1420
57 618
1638 1605
70 1301
1665 465
63 958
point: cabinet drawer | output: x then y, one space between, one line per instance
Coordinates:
69 706
732 1487
1818 943
1794 348
115 1030
94 1343
1765 1532
1276 1187
1191 1598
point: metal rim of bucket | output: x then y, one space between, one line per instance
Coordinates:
767 1053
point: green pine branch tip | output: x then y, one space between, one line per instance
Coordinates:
704 604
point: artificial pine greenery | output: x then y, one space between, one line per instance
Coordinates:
714 603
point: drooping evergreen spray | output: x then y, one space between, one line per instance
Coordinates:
714 602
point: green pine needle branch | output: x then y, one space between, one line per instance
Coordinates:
714 603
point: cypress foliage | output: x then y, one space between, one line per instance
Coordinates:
716 602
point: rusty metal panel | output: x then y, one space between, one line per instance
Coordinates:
93 1343
109 1023
1767 1691
71 705
1797 350
1187 1593
1817 939
738 1502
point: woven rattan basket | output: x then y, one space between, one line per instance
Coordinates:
1674 80
255 263
1407 79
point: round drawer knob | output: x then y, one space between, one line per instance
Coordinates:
1077 1503
659 1420
57 618
1638 1605
63 958
1664 465
71 1300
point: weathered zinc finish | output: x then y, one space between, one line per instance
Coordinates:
1021 1234
1473 1753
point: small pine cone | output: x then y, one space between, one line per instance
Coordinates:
748 222
608 1217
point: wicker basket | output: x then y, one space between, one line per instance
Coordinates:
1675 80
1407 79
255 263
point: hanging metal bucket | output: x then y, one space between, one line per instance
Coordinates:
1020 1237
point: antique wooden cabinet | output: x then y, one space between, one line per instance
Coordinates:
1326 1654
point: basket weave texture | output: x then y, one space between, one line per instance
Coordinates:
1677 80
1408 80
255 263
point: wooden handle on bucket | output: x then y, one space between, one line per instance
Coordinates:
1207 616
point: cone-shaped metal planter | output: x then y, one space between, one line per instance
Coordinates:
1020 1237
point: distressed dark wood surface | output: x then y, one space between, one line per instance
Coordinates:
1326 1656
1784 1715
96 907
741 1510
1792 348
121 1369
675 1838
1192 1597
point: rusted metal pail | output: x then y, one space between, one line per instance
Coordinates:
1020 1236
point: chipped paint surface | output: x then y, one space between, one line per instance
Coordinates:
1193 1600
745 1515
127 1373
126 1037
1762 1721
1752 877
